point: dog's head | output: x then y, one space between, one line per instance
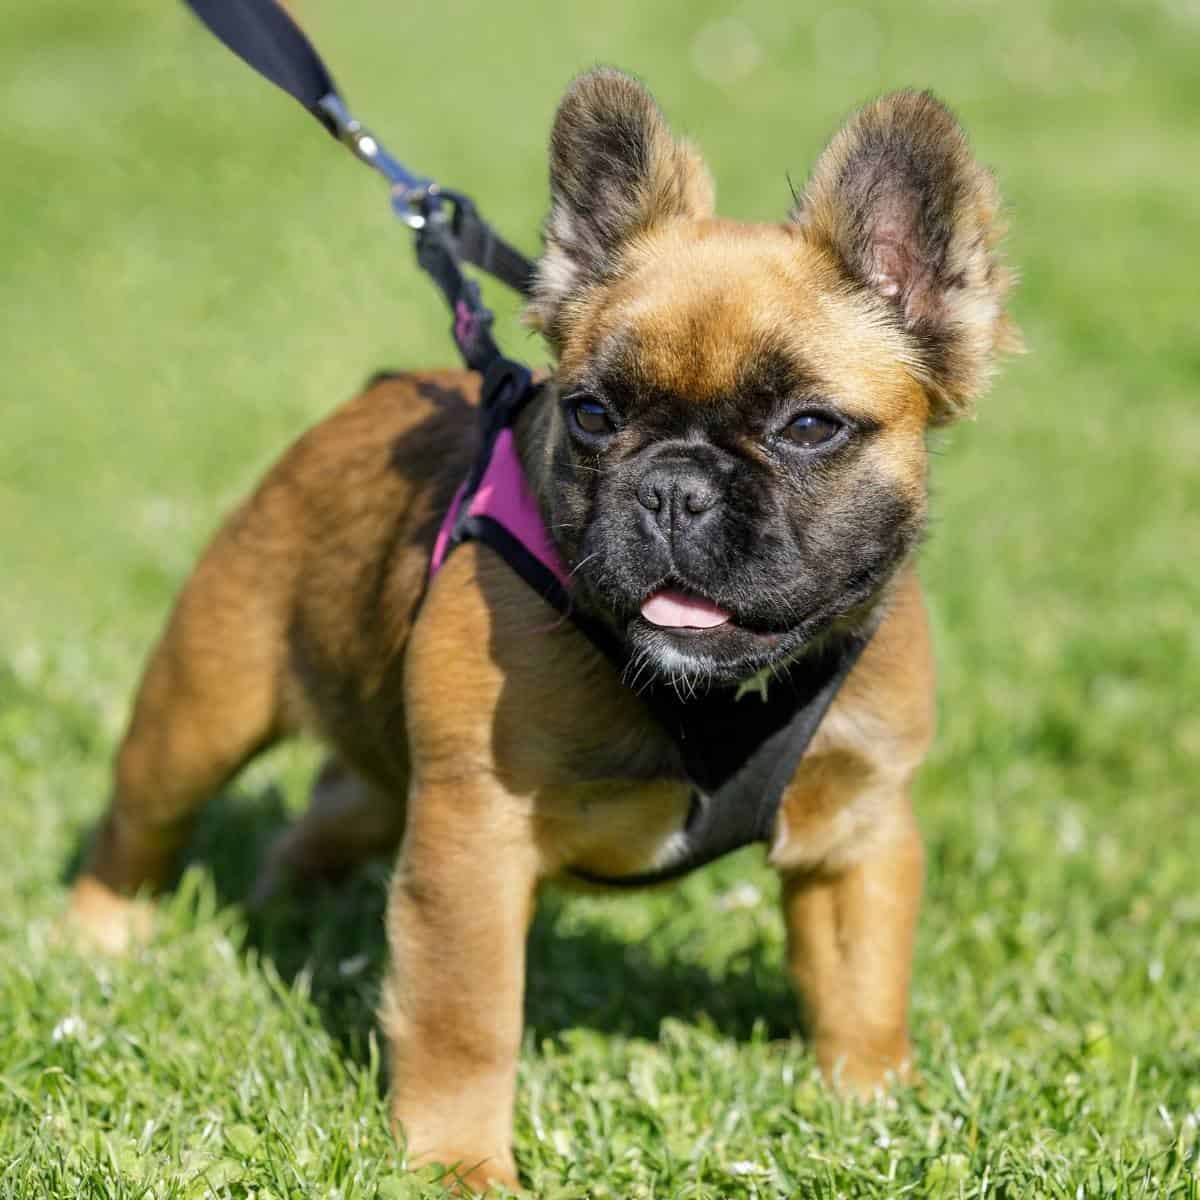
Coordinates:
736 457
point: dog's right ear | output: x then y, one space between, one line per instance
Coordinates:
900 203
615 172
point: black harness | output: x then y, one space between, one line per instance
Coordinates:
739 747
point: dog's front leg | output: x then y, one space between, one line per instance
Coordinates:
850 943
458 915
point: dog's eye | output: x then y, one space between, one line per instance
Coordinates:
591 416
812 429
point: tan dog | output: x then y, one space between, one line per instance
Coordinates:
780 380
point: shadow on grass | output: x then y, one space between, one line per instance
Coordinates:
332 939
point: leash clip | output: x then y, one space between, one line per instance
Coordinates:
416 206
414 198
420 202
366 147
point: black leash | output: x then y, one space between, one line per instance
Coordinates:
449 229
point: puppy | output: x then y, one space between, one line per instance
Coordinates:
730 459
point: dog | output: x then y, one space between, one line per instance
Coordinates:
730 457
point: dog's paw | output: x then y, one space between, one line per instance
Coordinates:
473 1174
866 1069
97 918
487 1179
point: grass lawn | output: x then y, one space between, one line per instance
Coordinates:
190 273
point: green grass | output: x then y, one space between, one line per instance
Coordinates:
191 274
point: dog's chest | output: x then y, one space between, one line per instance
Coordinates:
615 827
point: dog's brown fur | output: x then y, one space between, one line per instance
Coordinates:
468 718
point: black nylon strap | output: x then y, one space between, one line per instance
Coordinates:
518 557
262 34
472 325
539 577
479 244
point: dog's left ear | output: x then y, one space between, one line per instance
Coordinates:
899 201
616 172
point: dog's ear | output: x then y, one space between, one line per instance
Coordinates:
615 172
899 201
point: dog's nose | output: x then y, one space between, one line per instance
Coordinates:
677 495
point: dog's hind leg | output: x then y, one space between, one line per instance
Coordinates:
349 820
210 698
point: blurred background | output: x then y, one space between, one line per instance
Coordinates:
191 272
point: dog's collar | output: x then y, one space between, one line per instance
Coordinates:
739 747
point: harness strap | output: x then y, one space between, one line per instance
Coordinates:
480 245
744 809
437 255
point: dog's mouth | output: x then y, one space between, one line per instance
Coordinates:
672 608
680 612
685 637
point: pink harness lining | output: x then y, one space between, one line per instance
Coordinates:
505 497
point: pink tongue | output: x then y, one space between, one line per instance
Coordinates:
678 610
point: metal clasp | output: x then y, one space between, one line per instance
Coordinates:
367 148
416 206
